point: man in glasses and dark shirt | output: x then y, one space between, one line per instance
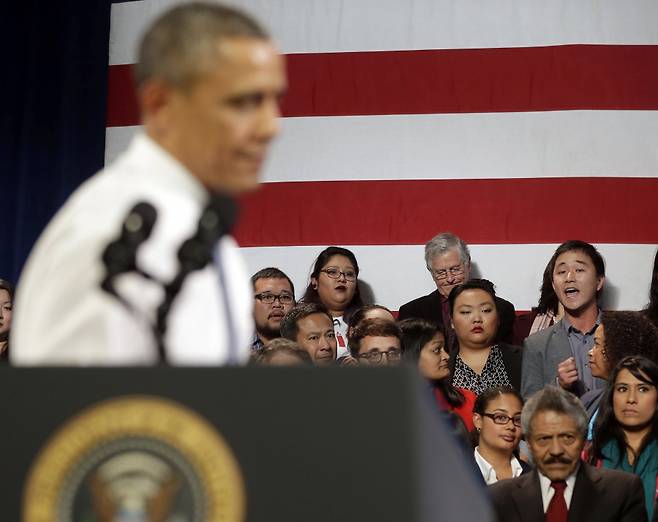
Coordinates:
274 297
376 342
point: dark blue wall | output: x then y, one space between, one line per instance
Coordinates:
53 128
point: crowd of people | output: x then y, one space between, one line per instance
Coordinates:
557 406
588 375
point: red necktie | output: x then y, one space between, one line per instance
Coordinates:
557 507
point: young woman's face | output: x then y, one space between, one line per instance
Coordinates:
433 359
633 401
500 437
475 318
5 311
337 292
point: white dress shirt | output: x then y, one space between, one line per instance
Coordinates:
547 491
62 317
489 473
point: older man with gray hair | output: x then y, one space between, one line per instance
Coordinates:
448 261
563 487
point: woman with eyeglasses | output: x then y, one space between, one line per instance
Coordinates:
334 284
626 429
480 363
425 347
497 419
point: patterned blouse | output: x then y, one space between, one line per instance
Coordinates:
493 374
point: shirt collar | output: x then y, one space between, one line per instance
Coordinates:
570 328
545 482
168 170
488 472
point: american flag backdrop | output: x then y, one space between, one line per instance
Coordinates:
516 124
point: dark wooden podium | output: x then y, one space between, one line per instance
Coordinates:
311 444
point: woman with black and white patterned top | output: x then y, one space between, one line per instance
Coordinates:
479 363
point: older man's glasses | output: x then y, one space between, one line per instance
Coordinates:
453 271
284 299
334 273
376 356
502 419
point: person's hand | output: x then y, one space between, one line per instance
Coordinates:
348 361
567 373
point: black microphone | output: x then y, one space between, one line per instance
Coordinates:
120 255
216 220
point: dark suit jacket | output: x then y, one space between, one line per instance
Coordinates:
600 495
429 307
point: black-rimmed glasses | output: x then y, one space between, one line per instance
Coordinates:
376 356
334 273
284 299
502 419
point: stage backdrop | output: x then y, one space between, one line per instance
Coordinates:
516 124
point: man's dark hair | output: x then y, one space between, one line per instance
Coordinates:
472 284
271 273
179 45
372 328
289 323
581 246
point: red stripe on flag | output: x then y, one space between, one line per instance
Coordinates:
451 81
496 211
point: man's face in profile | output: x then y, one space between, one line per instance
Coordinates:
220 128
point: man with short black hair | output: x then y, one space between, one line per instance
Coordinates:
311 326
562 487
274 296
559 354
448 260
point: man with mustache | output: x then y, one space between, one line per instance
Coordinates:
559 354
563 488
274 297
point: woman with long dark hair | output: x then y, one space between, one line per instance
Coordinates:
424 346
619 334
334 284
626 429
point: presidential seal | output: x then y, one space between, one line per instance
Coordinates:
135 459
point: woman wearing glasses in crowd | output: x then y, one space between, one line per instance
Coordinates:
626 430
497 419
424 346
480 363
334 284
6 299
